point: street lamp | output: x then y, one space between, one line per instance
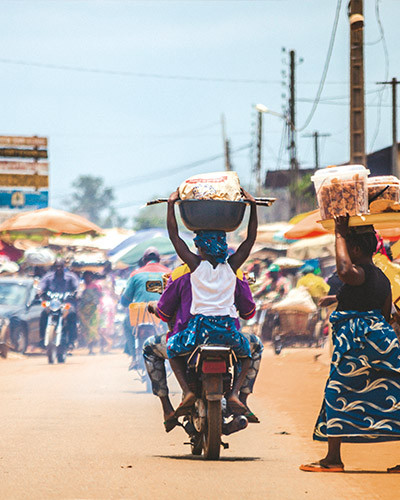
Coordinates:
261 108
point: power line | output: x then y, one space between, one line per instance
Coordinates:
150 176
325 70
82 69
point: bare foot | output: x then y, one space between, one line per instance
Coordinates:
237 407
187 402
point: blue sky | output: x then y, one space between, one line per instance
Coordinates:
129 129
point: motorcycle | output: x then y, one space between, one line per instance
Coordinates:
210 373
55 339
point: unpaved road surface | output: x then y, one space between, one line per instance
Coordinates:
87 430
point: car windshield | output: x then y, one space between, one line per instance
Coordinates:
12 294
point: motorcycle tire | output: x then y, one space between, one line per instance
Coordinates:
61 354
4 350
52 354
212 435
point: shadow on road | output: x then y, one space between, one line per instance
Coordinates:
367 472
221 459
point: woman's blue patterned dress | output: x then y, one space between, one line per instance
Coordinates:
362 394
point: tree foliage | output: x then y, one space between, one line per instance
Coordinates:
92 199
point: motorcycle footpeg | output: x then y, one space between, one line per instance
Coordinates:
225 446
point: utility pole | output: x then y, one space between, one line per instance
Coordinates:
395 148
294 166
316 135
357 111
259 152
226 145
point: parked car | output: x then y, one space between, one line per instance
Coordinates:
19 314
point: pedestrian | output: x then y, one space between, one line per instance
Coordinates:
362 395
89 310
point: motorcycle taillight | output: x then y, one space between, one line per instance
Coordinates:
213 366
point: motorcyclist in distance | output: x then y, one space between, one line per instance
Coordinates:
138 289
60 280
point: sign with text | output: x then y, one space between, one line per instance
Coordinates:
16 199
10 140
24 168
23 153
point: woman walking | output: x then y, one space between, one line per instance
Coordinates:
362 395
89 310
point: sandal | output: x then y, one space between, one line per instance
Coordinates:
237 407
251 417
170 423
318 467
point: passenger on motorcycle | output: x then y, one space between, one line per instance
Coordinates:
213 282
60 280
174 308
137 290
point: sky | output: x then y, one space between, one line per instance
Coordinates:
133 90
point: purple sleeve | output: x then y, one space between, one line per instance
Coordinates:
169 301
244 299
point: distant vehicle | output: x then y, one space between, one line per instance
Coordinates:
19 314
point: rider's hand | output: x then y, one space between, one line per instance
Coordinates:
173 197
151 307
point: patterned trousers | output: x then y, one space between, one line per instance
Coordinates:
155 354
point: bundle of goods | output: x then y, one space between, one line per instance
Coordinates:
349 190
213 186
212 202
383 187
297 300
341 190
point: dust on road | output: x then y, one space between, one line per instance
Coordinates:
87 430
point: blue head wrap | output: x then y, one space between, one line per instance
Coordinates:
213 243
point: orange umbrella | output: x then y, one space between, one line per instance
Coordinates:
307 227
48 221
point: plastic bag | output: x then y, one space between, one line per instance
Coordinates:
211 186
298 299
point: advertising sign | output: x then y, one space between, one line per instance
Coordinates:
32 200
10 140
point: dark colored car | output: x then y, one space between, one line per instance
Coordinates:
19 313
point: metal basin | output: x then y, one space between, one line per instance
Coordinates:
212 215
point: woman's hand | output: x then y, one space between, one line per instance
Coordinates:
247 196
173 197
342 224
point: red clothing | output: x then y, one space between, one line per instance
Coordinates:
151 267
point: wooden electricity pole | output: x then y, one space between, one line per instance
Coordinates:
294 166
395 148
357 116
316 135
259 152
226 145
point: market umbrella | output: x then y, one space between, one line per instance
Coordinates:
307 227
47 222
132 257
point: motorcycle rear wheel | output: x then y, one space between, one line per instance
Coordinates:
212 435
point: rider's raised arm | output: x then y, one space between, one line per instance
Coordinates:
190 258
239 257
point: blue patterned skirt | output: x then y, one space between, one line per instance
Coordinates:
219 330
362 394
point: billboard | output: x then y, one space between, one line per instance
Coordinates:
24 178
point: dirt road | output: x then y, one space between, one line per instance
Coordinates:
86 430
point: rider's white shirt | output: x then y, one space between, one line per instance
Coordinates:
213 290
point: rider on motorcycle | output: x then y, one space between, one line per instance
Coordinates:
174 308
213 282
60 280
137 290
